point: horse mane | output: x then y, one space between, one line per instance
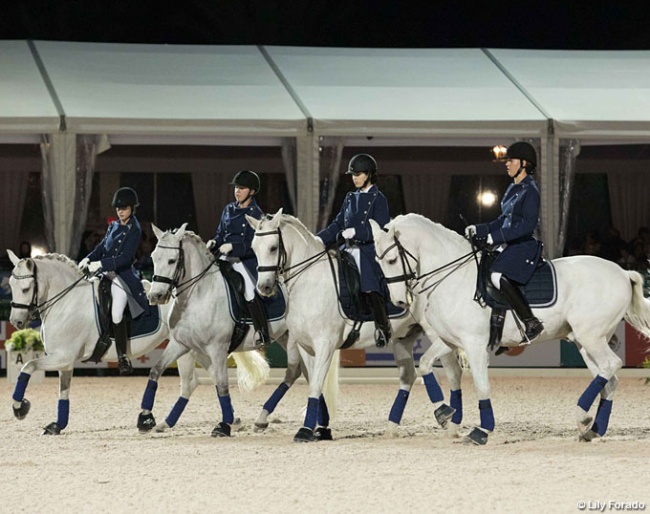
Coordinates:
58 257
196 239
424 223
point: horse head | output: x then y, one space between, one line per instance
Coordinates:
269 250
397 264
168 264
24 290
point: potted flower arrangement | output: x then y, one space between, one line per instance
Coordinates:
24 345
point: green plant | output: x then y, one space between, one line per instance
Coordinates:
646 364
26 339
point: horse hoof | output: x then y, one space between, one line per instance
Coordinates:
260 427
22 411
221 430
477 437
324 434
146 422
159 429
392 430
52 429
304 435
588 436
443 414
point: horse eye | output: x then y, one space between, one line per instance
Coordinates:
171 261
273 249
26 290
392 261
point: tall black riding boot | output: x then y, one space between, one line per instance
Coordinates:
532 326
496 326
123 362
382 324
258 314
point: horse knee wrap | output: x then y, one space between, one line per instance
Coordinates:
312 413
398 406
433 388
456 402
275 398
602 417
487 415
227 412
149 395
323 412
176 411
21 386
595 387
63 414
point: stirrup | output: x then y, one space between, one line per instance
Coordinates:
262 341
382 338
533 327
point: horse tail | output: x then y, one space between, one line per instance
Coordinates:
252 369
331 385
638 312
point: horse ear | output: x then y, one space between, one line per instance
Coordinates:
377 232
392 232
156 231
12 257
253 222
181 230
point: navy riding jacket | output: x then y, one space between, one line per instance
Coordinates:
515 227
359 207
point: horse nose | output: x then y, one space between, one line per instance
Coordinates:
266 290
17 324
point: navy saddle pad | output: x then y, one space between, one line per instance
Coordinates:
146 324
352 303
540 291
276 305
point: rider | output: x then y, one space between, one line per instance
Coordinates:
513 232
352 223
114 256
232 242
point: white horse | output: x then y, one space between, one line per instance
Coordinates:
283 243
200 321
593 296
53 285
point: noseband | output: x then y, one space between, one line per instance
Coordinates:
278 269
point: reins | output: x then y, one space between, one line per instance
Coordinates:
179 272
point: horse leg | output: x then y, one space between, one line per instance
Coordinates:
477 356
50 362
322 361
188 382
293 372
63 411
173 351
439 350
219 371
403 353
588 430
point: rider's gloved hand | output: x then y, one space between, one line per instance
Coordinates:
320 240
479 242
490 241
83 264
225 248
210 244
470 231
95 266
348 233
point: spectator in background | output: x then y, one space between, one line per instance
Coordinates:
25 250
592 244
613 245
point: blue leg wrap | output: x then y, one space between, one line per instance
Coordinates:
487 415
602 417
398 406
456 402
176 411
21 385
312 413
227 413
433 388
63 414
149 395
587 399
323 413
275 398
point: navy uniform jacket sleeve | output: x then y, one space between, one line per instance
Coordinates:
121 255
379 212
331 232
221 229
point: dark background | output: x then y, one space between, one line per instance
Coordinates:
611 24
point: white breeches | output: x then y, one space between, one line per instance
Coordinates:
495 277
249 285
119 301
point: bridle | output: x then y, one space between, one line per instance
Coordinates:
281 265
33 307
179 273
408 276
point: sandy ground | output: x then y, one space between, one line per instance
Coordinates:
532 462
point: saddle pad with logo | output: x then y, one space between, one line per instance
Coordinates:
146 324
352 303
540 291
276 305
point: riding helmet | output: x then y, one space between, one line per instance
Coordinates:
523 151
362 163
125 197
247 178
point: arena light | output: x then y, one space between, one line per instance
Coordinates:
499 152
38 250
487 198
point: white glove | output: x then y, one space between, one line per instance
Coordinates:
490 241
95 266
84 263
320 240
210 244
348 233
470 231
225 248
